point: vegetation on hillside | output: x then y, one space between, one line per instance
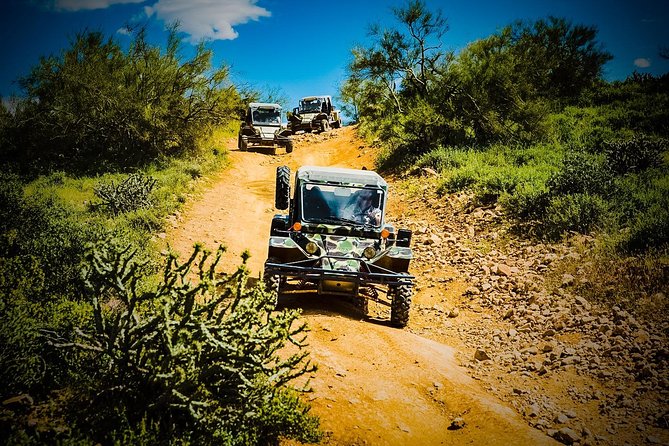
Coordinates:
522 119
105 339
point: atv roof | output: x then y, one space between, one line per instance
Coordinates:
341 176
310 98
263 105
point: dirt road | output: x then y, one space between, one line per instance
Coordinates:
375 384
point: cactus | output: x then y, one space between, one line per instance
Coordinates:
198 352
128 195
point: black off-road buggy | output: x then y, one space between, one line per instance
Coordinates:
322 246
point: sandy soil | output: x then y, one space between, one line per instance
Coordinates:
375 384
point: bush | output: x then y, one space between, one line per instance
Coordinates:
578 212
201 360
581 173
96 108
634 155
41 228
528 202
440 159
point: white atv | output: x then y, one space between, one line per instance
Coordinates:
261 127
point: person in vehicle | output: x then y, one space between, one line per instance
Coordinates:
315 205
363 208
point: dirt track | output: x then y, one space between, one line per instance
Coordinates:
375 384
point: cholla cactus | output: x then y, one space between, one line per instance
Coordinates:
200 356
128 195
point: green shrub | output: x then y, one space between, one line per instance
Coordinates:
581 173
97 108
527 203
40 227
634 155
440 159
577 212
202 360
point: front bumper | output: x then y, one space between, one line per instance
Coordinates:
267 142
338 281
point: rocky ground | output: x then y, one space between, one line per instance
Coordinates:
582 372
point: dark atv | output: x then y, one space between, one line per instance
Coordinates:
315 113
261 127
334 240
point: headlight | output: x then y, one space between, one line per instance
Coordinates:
369 252
311 248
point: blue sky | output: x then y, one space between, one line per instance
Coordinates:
301 47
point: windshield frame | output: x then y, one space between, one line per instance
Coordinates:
311 108
275 123
338 205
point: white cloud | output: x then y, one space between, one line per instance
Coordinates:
642 62
208 19
78 5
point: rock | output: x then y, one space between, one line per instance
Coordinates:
403 427
457 423
512 332
561 418
481 355
427 171
454 312
549 333
547 347
582 302
641 336
567 436
503 270
473 291
567 280
533 411
433 239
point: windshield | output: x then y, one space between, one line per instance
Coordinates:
310 105
267 116
342 205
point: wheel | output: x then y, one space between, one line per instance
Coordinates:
361 304
289 146
282 191
243 144
336 124
400 304
239 142
273 283
325 126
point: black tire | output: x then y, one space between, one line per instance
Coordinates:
243 145
273 283
336 124
282 192
361 304
239 142
325 126
289 146
400 305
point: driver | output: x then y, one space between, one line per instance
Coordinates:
363 209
